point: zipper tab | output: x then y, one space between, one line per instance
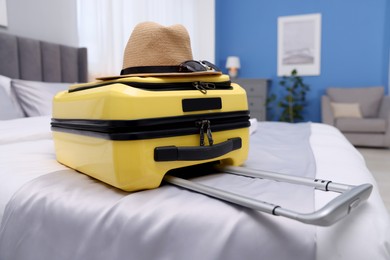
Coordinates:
203 86
204 125
201 132
209 134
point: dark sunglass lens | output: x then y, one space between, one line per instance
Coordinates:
209 64
195 66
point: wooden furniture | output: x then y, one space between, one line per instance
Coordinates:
256 90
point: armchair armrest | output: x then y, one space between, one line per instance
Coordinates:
384 109
326 111
384 112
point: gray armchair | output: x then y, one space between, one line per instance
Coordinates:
361 114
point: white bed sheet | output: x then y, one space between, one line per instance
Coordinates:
339 161
26 152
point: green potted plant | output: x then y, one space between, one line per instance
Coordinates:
293 99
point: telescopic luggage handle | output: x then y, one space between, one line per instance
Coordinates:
336 209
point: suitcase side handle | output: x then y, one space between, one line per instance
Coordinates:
196 153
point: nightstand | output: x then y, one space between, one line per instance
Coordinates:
256 90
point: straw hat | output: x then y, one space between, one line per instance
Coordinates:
156 50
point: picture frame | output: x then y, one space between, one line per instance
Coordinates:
299 44
3 13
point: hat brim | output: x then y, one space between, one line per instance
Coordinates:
173 74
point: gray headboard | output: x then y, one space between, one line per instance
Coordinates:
29 59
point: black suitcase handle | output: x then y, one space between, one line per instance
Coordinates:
196 153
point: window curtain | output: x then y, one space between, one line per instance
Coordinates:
104 26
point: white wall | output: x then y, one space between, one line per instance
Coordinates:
48 20
206 30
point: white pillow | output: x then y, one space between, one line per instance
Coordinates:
9 106
36 97
351 110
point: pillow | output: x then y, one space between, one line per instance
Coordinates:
9 106
36 97
346 110
369 98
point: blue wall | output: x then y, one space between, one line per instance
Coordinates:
354 48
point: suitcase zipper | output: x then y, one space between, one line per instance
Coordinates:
205 124
202 124
199 85
202 86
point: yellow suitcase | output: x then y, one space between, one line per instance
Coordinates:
129 132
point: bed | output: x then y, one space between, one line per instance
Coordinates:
49 211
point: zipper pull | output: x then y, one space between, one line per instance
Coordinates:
201 131
203 86
204 125
209 134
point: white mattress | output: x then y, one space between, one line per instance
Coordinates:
27 152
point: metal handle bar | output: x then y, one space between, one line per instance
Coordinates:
318 184
336 209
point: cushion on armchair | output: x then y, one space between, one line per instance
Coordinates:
369 99
346 110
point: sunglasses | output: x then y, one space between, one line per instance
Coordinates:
195 66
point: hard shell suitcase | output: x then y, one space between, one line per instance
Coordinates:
129 132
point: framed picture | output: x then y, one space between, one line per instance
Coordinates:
299 44
3 13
